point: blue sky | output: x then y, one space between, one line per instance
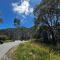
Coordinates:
22 9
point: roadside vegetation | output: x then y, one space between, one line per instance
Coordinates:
33 51
46 30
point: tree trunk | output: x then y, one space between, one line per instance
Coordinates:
53 38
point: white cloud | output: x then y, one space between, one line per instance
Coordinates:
24 7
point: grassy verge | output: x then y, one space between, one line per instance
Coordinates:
33 51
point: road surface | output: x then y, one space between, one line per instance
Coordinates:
4 48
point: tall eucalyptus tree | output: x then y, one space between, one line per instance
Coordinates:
48 13
17 25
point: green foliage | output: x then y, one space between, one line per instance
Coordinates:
47 14
7 39
33 51
17 22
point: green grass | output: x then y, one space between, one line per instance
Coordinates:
33 51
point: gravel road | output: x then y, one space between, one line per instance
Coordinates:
4 48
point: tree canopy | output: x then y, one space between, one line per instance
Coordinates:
16 22
47 13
